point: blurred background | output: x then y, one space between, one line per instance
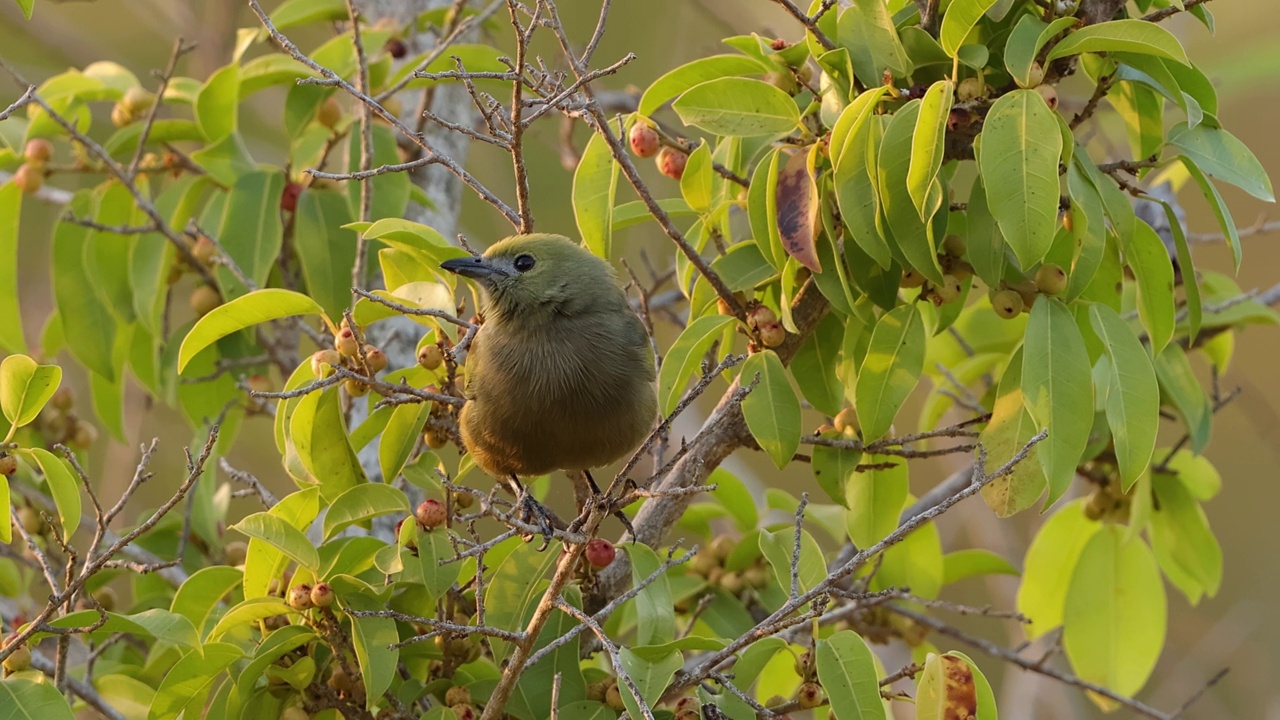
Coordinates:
1239 628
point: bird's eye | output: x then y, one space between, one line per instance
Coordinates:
524 263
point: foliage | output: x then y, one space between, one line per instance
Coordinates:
825 265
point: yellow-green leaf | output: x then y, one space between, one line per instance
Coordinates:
1133 396
772 410
1130 35
1047 568
595 183
890 370
1057 387
25 387
927 144
245 311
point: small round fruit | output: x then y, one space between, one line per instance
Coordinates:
1051 279
300 597
911 279
30 520
613 698
464 500
375 359
760 316
204 250
430 513
784 81
970 89
1007 304
1050 95
671 162
396 48
106 597
954 246
329 114
323 362
731 582
8 464
259 383
83 436
38 151
29 178
19 660
644 140
846 421
321 595
355 388
463 712
457 695
120 115
62 399
138 100
950 289
722 545
346 343
435 439
600 553
204 299
1036 75
289 197
235 553
809 696
772 334
431 357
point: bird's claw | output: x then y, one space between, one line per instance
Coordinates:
533 512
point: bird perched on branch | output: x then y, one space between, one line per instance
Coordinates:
561 373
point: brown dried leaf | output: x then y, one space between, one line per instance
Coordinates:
797 202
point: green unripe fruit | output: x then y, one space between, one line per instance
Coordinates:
911 279
1051 279
970 89
954 245
950 289
430 357
1007 304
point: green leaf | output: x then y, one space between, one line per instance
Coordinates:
1179 384
25 387
815 366
927 144
890 370
1049 564
251 232
832 467
515 590
1183 543
218 104
1057 386
913 237
874 498
685 356
853 152
264 563
325 250
434 547
595 184
985 245
867 31
772 410
1018 158
282 536
1133 396
1218 205
20 698
736 106
1021 48
1221 155
197 597
87 324
916 562
246 612
372 638
246 311
1145 253
400 437
319 435
11 338
698 181
847 672
762 201
1136 36
651 675
974 562
777 548
654 605
362 503
960 18
190 679
1088 226
1114 623
304 12
27 6
695 73
64 486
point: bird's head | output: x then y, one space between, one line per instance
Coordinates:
525 276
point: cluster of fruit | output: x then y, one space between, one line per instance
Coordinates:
350 353
711 563
58 423
646 141
29 176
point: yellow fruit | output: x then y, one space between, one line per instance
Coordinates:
457 695
1007 304
138 100
435 439
204 250
204 299
346 343
911 279
970 89
323 362
355 388
846 421
235 553
84 436
29 178
809 696
62 399
772 334
613 698
1051 279
106 597
121 116
8 464
954 245
38 151
430 357
329 114
19 660
30 520
376 359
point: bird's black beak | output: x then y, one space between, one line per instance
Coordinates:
477 268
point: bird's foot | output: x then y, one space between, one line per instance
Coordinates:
600 500
533 512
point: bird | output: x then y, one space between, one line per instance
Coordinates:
560 375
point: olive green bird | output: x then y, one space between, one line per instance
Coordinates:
561 374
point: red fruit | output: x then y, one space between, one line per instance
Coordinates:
778 44
600 553
671 162
396 48
29 178
644 140
289 198
375 358
431 514
38 151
